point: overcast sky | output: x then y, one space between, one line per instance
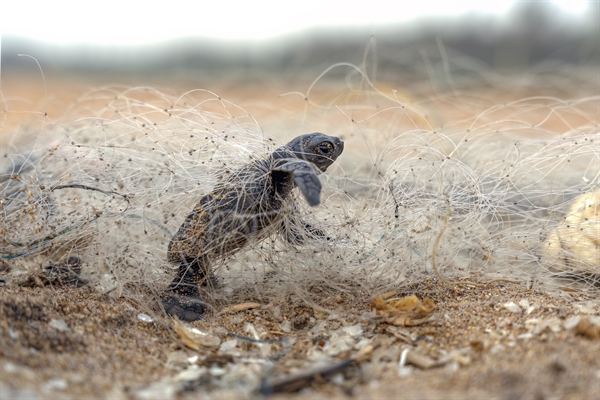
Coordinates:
128 22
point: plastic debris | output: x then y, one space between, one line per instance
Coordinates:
195 338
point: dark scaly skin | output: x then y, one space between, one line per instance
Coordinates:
241 210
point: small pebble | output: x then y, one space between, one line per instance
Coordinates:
60 384
59 325
587 307
286 326
145 318
190 374
353 330
525 336
512 307
217 371
9 367
228 345
572 322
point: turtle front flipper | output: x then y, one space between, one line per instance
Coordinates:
305 177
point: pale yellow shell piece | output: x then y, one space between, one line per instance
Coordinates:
574 246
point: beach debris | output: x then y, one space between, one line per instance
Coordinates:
512 307
56 384
193 373
144 317
522 307
59 325
415 358
538 326
591 307
64 274
404 311
402 334
573 246
587 328
458 357
296 382
194 338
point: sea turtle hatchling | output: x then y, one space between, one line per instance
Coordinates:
240 210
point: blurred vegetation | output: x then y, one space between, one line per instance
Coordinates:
530 34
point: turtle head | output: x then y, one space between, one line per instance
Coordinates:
317 148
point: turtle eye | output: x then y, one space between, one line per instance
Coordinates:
325 147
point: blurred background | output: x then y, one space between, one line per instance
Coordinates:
252 52
136 40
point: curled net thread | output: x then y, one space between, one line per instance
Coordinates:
114 179
113 187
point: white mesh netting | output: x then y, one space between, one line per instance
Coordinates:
516 177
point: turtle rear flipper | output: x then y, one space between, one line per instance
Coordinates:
304 176
183 307
182 297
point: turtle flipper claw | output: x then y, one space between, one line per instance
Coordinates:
183 307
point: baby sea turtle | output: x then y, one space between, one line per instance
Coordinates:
240 210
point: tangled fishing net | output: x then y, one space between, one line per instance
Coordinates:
471 184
